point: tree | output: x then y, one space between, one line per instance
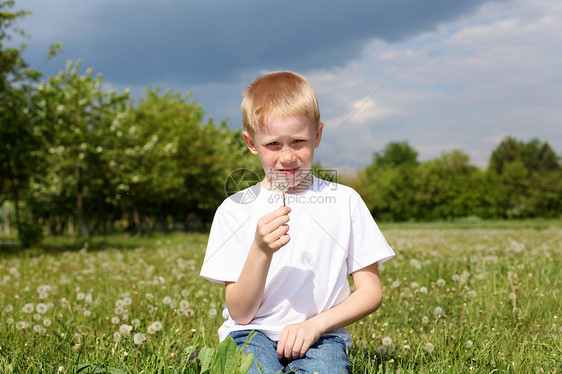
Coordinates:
177 164
445 187
396 154
387 183
526 174
79 112
22 139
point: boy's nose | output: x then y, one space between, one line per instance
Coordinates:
288 156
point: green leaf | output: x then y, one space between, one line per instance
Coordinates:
205 356
246 362
225 357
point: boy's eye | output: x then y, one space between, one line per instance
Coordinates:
273 143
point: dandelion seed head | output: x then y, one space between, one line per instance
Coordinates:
125 329
414 285
41 308
115 320
425 320
387 341
395 284
441 282
136 323
89 299
47 322
38 329
212 312
139 338
381 350
429 347
438 311
468 344
512 296
28 308
21 325
116 336
423 290
415 263
188 312
9 308
456 277
167 300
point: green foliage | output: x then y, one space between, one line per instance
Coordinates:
79 113
396 154
23 139
388 183
522 180
225 358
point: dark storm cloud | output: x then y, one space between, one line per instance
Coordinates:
210 41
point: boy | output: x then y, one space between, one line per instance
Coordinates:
285 257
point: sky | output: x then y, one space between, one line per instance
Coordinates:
442 75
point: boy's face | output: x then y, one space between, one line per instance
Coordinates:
285 146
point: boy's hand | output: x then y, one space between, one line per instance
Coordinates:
271 231
295 339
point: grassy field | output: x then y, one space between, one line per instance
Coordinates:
469 297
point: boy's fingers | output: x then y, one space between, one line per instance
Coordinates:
280 241
281 343
277 223
277 212
287 348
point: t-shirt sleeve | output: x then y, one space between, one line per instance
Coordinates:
367 243
227 248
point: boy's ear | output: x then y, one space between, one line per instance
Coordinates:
318 135
249 142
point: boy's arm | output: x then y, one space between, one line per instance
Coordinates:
295 339
244 296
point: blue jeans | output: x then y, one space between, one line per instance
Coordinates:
326 356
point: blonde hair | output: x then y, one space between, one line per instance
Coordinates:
278 94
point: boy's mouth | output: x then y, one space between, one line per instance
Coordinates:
288 171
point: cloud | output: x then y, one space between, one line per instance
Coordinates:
212 41
489 75
481 70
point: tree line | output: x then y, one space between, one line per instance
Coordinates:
522 180
76 157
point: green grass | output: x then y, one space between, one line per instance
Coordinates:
465 297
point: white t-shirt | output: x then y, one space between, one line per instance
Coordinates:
332 235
